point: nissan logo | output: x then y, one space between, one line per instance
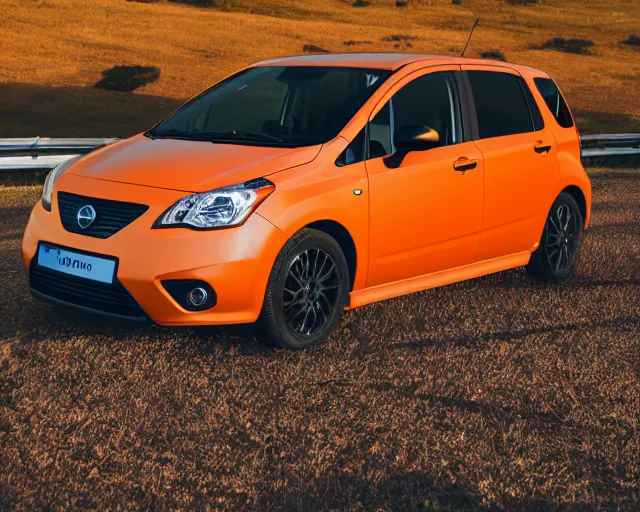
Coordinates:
86 215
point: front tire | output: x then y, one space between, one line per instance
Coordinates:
559 250
306 293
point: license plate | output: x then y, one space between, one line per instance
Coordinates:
76 264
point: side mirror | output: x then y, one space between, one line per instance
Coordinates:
415 138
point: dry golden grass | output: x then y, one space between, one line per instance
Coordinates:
499 393
59 48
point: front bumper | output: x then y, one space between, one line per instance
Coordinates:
236 262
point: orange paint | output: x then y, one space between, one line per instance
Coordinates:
442 215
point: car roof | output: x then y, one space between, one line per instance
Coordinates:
390 61
355 60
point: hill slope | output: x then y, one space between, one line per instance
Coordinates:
54 51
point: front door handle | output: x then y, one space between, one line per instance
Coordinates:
463 164
540 147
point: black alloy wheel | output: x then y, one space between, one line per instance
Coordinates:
561 239
559 250
306 293
311 292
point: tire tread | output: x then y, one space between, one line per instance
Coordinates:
268 328
539 266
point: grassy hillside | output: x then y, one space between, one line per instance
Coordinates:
54 51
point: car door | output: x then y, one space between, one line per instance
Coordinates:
521 171
425 210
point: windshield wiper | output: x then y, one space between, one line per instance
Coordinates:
233 135
239 134
171 134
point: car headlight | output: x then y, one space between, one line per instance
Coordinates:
221 208
51 178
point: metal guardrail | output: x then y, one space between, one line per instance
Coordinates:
610 145
38 153
44 153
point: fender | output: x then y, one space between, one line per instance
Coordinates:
573 174
321 191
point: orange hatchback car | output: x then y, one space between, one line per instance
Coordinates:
300 187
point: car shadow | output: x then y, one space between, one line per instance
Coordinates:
68 323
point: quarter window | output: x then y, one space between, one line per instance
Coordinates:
501 106
554 101
355 151
380 143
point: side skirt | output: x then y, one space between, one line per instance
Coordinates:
415 284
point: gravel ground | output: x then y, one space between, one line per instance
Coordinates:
497 393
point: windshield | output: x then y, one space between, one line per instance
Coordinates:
275 105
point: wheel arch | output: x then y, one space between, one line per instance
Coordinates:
575 182
577 194
581 196
341 234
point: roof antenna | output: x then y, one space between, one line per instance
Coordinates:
475 24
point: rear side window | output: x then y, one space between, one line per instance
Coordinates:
536 116
554 101
501 105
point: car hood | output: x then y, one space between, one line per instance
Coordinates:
190 166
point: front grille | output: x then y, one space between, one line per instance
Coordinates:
102 297
111 216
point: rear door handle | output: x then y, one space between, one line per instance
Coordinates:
541 147
464 164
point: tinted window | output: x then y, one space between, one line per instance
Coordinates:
380 143
554 101
536 116
275 105
501 106
354 152
430 100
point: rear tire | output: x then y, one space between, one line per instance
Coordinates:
559 250
306 293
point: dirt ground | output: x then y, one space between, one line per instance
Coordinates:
497 393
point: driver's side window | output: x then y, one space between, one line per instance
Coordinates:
430 100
